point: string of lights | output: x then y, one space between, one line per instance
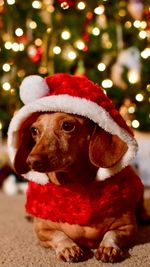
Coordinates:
108 44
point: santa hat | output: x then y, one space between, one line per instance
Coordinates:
75 95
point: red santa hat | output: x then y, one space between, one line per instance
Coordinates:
75 95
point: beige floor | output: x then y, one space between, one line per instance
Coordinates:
19 247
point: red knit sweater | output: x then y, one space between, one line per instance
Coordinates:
85 205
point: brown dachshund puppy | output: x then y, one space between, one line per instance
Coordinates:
67 148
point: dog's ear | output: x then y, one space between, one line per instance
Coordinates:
105 150
24 148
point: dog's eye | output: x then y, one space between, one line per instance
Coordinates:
68 126
34 131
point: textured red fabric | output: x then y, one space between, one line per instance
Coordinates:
85 205
80 86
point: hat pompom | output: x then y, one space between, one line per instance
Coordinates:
32 88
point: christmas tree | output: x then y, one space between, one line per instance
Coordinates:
108 41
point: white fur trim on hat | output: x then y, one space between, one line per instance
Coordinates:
79 106
38 177
32 88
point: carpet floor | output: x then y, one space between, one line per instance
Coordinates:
19 246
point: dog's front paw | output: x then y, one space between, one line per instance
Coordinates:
71 254
109 254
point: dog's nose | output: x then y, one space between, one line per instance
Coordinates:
35 162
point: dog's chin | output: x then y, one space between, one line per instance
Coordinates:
42 170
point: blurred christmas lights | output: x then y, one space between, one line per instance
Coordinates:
6 86
11 2
140 24
38 42
122 13
148 87
143 34
72 55
15 47
139 97
49 29
143 24
96 31
131 110
65 35
12 91
128 24
8 45
133 76
42 70
56 50
19 32
1 125
36 4
6 67
81 5
135 124
99 10
107 83
80 44
21 73
137 23
64 5
145 53
32 25
101 66
21 47
32 42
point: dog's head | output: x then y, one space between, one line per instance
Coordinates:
96 134
60 141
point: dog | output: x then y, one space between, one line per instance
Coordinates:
70 149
